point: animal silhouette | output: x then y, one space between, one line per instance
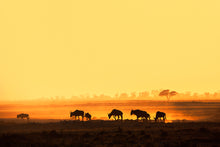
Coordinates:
140 114
23 115
88 116
77 113
160 115
116 113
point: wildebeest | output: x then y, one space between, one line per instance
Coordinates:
160 115
77 113
116 113
23 115
140 114
88 116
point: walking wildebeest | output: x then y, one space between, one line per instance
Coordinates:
77 113
140 114
160 115
23 115
88 116
115 113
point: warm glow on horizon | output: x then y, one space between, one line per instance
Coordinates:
64 48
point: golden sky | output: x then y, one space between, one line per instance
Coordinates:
72 47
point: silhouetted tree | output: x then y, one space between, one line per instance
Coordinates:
207 94
173 93
215 95
167 93
133 95
123 96
155 93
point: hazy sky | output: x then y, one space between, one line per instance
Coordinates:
64 48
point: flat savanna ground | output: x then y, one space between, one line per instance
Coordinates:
109 133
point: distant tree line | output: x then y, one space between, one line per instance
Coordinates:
145 95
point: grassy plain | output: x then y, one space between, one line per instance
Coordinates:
108 133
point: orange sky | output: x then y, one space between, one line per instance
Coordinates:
65 48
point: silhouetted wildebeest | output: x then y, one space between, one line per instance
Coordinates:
140 114
160 115
77 113
88 116
115 113
23 115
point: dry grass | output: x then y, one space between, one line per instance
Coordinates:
109 133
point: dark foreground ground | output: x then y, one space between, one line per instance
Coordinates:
109 133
